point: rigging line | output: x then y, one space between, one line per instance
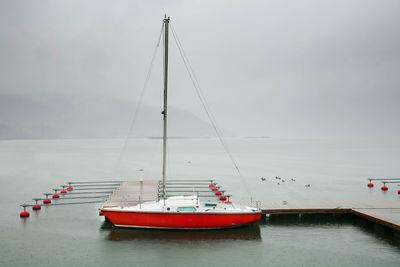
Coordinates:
203 101
196 85
194 76
135 113
201 95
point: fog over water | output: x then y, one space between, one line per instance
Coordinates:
268 68
321 78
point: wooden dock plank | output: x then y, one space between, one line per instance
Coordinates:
129 192
388 217
332 205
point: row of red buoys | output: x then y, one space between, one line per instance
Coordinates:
384 187
25 213
218 193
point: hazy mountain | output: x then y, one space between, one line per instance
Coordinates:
27 117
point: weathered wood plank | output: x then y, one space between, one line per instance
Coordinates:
129 192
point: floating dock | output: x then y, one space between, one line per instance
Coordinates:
383 213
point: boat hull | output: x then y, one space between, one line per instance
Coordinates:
180 220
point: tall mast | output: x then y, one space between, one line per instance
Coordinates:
164 172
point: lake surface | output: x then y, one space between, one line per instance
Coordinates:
336 169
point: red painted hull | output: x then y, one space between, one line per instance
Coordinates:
180 220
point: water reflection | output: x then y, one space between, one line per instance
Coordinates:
24 221
385 234
379 232
249 232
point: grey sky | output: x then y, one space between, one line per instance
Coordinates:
277 68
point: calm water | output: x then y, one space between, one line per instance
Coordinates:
335 168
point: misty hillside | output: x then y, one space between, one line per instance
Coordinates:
23 117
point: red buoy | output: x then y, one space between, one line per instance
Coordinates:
36 207
218 193
214 189
384 188
398 192
228 202
56 196
46 201
222 198
24 214
63 192
69 188
370 185
211 185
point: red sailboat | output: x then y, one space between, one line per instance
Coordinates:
179 212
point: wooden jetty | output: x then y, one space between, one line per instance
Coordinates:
130 193
385 213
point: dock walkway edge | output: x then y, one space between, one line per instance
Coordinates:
385 213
